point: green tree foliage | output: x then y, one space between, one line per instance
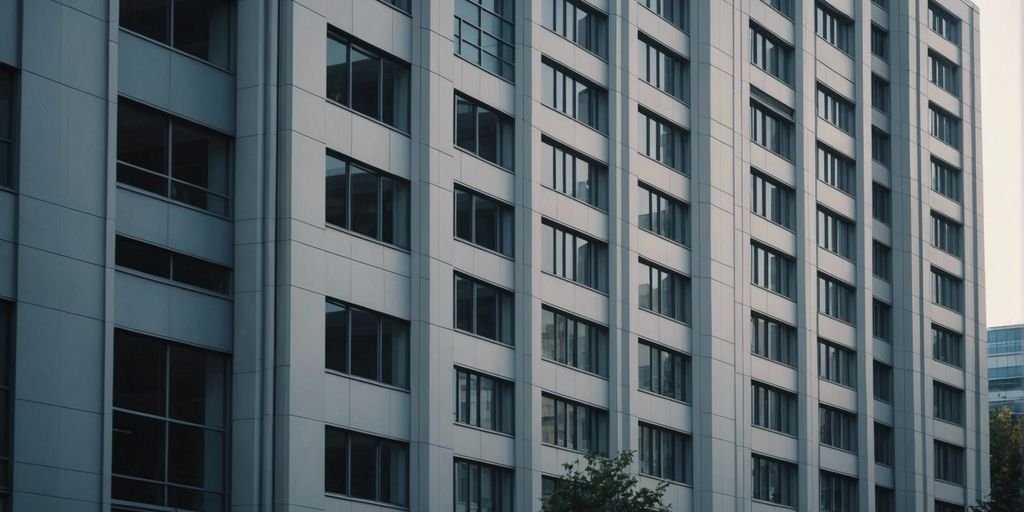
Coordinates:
603 485
1005 438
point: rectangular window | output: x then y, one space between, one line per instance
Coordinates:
880 94
836 299
944 23
885 498
884 444
882 380
170 422
836 170
570 173
366 467
484 132
944 73
481 486
947 235
835 29
837 364
200 29
771 54
402 5
664 69
676 12
942 506
948 346
881 260
173 158
664 292
884 4
367 201
573 425
483 309
774 480
485 35
881 149
574 256
664 453
838 493
576 21
367 80
174 266
772 270
483 221
483 401
773 340
949 463
366 344
665 142
947 290
881 318
785 7
835 109
881 203
663 215
836 233
572 341
6 408
948 403
837 428
946 179
663 371
773 408
7 127
547 485
880 42
945 126
773 200
771 130
574 96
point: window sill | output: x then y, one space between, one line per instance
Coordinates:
368 118
573 368
346 497
485 70
574 43
570 450
171 282
576 199
943 306
677 27
367 238
830 251
844 450
668 481
833 45
576 283
776 361
947 422
684 245
775 293
682 101
339 373
577 121
772 151
170 201
482 159
783 226
664 397
484 430
666 317
179 52
953 254
958 367
509 346
779 432
482 248
773 504
663 164
840 384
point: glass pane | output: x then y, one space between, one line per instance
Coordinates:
336 337
147 17
364 466
394 473
203 28
395 352
487 311
463 215
337 71
201 273
489 135
337 192
464 307
139 365
395 91
141 137
364 326
197 384
395 212
365 83
195 457
335 461
199 157
138 446
487 213
364 189
142 257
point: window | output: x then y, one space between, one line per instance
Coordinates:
882 380
573 425
881 204
664 453
837 364
835 29
773 200
881 151
485 36
771 130
885 498
366 467
573 174
944 23
945 126
481 486
838 493
663 215
880 42
879 96
573 341
944 73
547 485
835 109
574 96
199 28
836 299
664 69
483 309
366 344
947 290
773 340
948 403
663 371
947 234
837 428
483 131
770 54
884 444
676 12
948 346
664 292
169 424
367 80
774 480
159 262
7 127
172 158
483 221
665 142
946 179
884 4
942 506
400 4
836 233
773 409
484 402
785 7
881 260
772 270
836 170
881 318
949 463
574 256
579 23
6 425
366 201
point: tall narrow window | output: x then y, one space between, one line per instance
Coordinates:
948 403
366 467
483 131
771 130
944 23
481 486
949 463
837 364
774 480
837 428
836 233
664 141
881 260
834 28
200 29
881 148
664 69
881 203
483 309
576 21
773 200
836 299
773 408
663 371
880 94
770 54
881 319
945 126
676 12
485 35
943 73
174 266
367 201
664 292
773 340
835 109
570 173
7 127
836 170
665 453
573 95
663 215
483 401
882 380
573 341
838 493
880 42
366 344
772 270
884 445
367 80
483 221
946 179
948 346
574 256
573 425
947 290
947 235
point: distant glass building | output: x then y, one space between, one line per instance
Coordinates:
1006 368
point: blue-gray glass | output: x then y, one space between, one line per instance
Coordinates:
336 336
335 461
203 28
364 328
337 191
364 464
337 71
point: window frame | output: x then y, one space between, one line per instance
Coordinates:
502 486
8 159
597 24
882 381
944 23
947 179
170 278
597 339
676 209
597 173
944 73
835 109
948 341
836 233
503 320
945 126
768 262
885 448
402 121
681 368
837 364
597 425
679 17
950 463
650 48
381 319
503 404
769 192
778 409
505 134
678 280
881 207
652 457
772 130
679 159
556 258
834 28
836 169
230 26
504 232
785 344
837 492
881 261
379 443
948 403
556 82
506 20
768 473
947 290
947 235
401 238
763 46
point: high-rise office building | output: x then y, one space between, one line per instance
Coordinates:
1006 368
362 255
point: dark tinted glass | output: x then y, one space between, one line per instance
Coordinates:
150 18
395 352
139 367
487 312
197 386
487 213
336 334
463 304
364 343
142 257
364 466
138 446
141 137
394 211
199 157
337 192
394 470
201 273
336 461
465 124
489 135
337 71
365 83
203 28
364 189
194 456
463 215
395 94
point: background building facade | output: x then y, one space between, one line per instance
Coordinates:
362 254
1006 368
